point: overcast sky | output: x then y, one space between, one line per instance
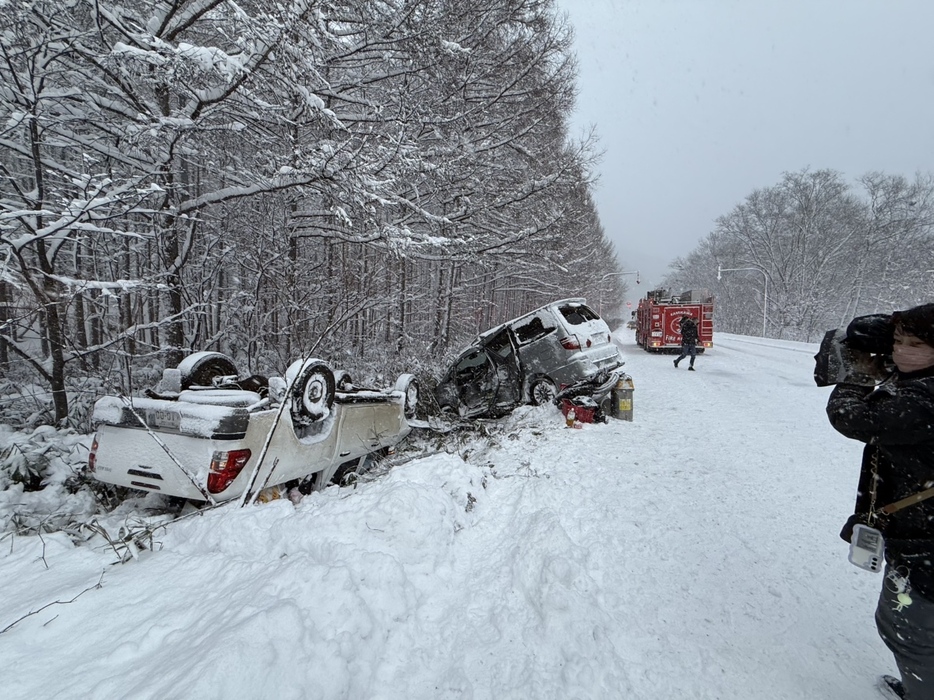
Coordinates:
699 102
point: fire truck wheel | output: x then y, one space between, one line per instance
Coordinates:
542 391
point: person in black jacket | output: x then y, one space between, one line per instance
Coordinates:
896 421
688 340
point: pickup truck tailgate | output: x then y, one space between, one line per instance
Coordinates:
134 459
128 454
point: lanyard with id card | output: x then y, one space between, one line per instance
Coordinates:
867 545
866 548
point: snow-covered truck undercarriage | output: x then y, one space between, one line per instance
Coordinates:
214 441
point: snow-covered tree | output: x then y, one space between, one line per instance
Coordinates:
829 251
267 177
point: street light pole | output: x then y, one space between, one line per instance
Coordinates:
607 276
765 296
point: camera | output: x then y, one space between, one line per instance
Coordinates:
850 354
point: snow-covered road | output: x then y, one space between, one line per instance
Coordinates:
692 553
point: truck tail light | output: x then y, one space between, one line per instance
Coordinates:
570 343
225 467
92 456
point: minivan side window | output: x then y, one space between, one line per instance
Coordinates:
501 345
530 330
577 314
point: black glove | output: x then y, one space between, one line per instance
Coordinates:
846 533
873 333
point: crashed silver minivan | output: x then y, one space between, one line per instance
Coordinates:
529 359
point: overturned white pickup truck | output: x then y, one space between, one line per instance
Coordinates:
204 434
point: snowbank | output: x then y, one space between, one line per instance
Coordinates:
692 553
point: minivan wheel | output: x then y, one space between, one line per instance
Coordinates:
542 391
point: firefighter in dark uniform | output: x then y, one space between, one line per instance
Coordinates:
688 340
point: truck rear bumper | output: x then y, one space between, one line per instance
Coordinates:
132 458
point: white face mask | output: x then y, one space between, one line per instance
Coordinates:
911 354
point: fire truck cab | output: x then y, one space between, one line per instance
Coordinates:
658 319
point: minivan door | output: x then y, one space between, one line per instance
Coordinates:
501 348
477 382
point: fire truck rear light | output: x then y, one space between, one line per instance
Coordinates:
225 467
92 455
570 343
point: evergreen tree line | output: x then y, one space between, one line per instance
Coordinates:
372 183
824 250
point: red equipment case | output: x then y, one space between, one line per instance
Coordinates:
583 413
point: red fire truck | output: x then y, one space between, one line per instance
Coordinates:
658 319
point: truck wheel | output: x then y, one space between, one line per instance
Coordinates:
342 380
201 368
312 391
542 391
408 385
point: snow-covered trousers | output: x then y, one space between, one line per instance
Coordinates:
909 635
688 350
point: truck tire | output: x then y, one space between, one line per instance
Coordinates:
312 391
342 380
201 368
408 385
